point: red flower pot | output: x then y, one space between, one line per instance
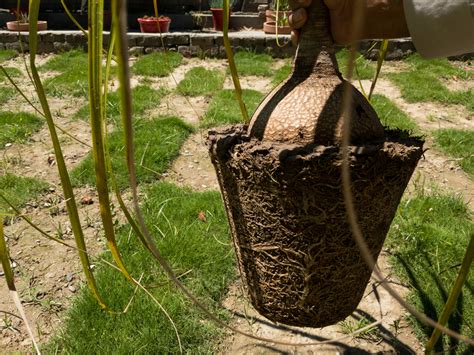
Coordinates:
218 19
154 25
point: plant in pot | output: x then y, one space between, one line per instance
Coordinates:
22 24
277 18
199 20
217 9
152 24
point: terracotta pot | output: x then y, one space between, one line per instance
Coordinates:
270 15
154 25
218 19
25 26
270 27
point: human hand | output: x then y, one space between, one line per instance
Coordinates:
380 19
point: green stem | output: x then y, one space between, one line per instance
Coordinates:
62 169
453 296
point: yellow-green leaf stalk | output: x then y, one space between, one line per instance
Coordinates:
453 296
232 66
73 19
9 277
380 60
96 108
62 169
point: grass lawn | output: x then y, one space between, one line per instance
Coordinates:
157 64
6 93
391 116
364 68
12 72
224 108
200 249
428 239
6 54
250 63
144 98
422 83
201 81
72 78
282 73
18 190
17 127
157 143
458 144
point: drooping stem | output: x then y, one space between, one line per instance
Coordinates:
316 48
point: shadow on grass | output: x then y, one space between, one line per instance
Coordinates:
455 321
387 336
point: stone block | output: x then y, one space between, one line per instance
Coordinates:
45 47
136 51
61 47
175 40
204 42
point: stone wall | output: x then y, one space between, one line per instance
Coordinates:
202 44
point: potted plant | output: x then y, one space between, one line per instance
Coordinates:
217 9
22 24
151 24
278 21
199 20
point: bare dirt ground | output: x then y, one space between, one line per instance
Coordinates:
48 274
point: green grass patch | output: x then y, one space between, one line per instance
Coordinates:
18 190
391 116
200 249
459 144
17 127
6 93
157 143
224 108
440 67
422 83
64 62
12 72
6 54
281 74
158 64
364 68
428 240
201 81
72 78
250 63
144 98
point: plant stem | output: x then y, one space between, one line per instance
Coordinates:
453 296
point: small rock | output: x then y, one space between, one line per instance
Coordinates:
69 277
71 288
87 200
51 160
8 145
